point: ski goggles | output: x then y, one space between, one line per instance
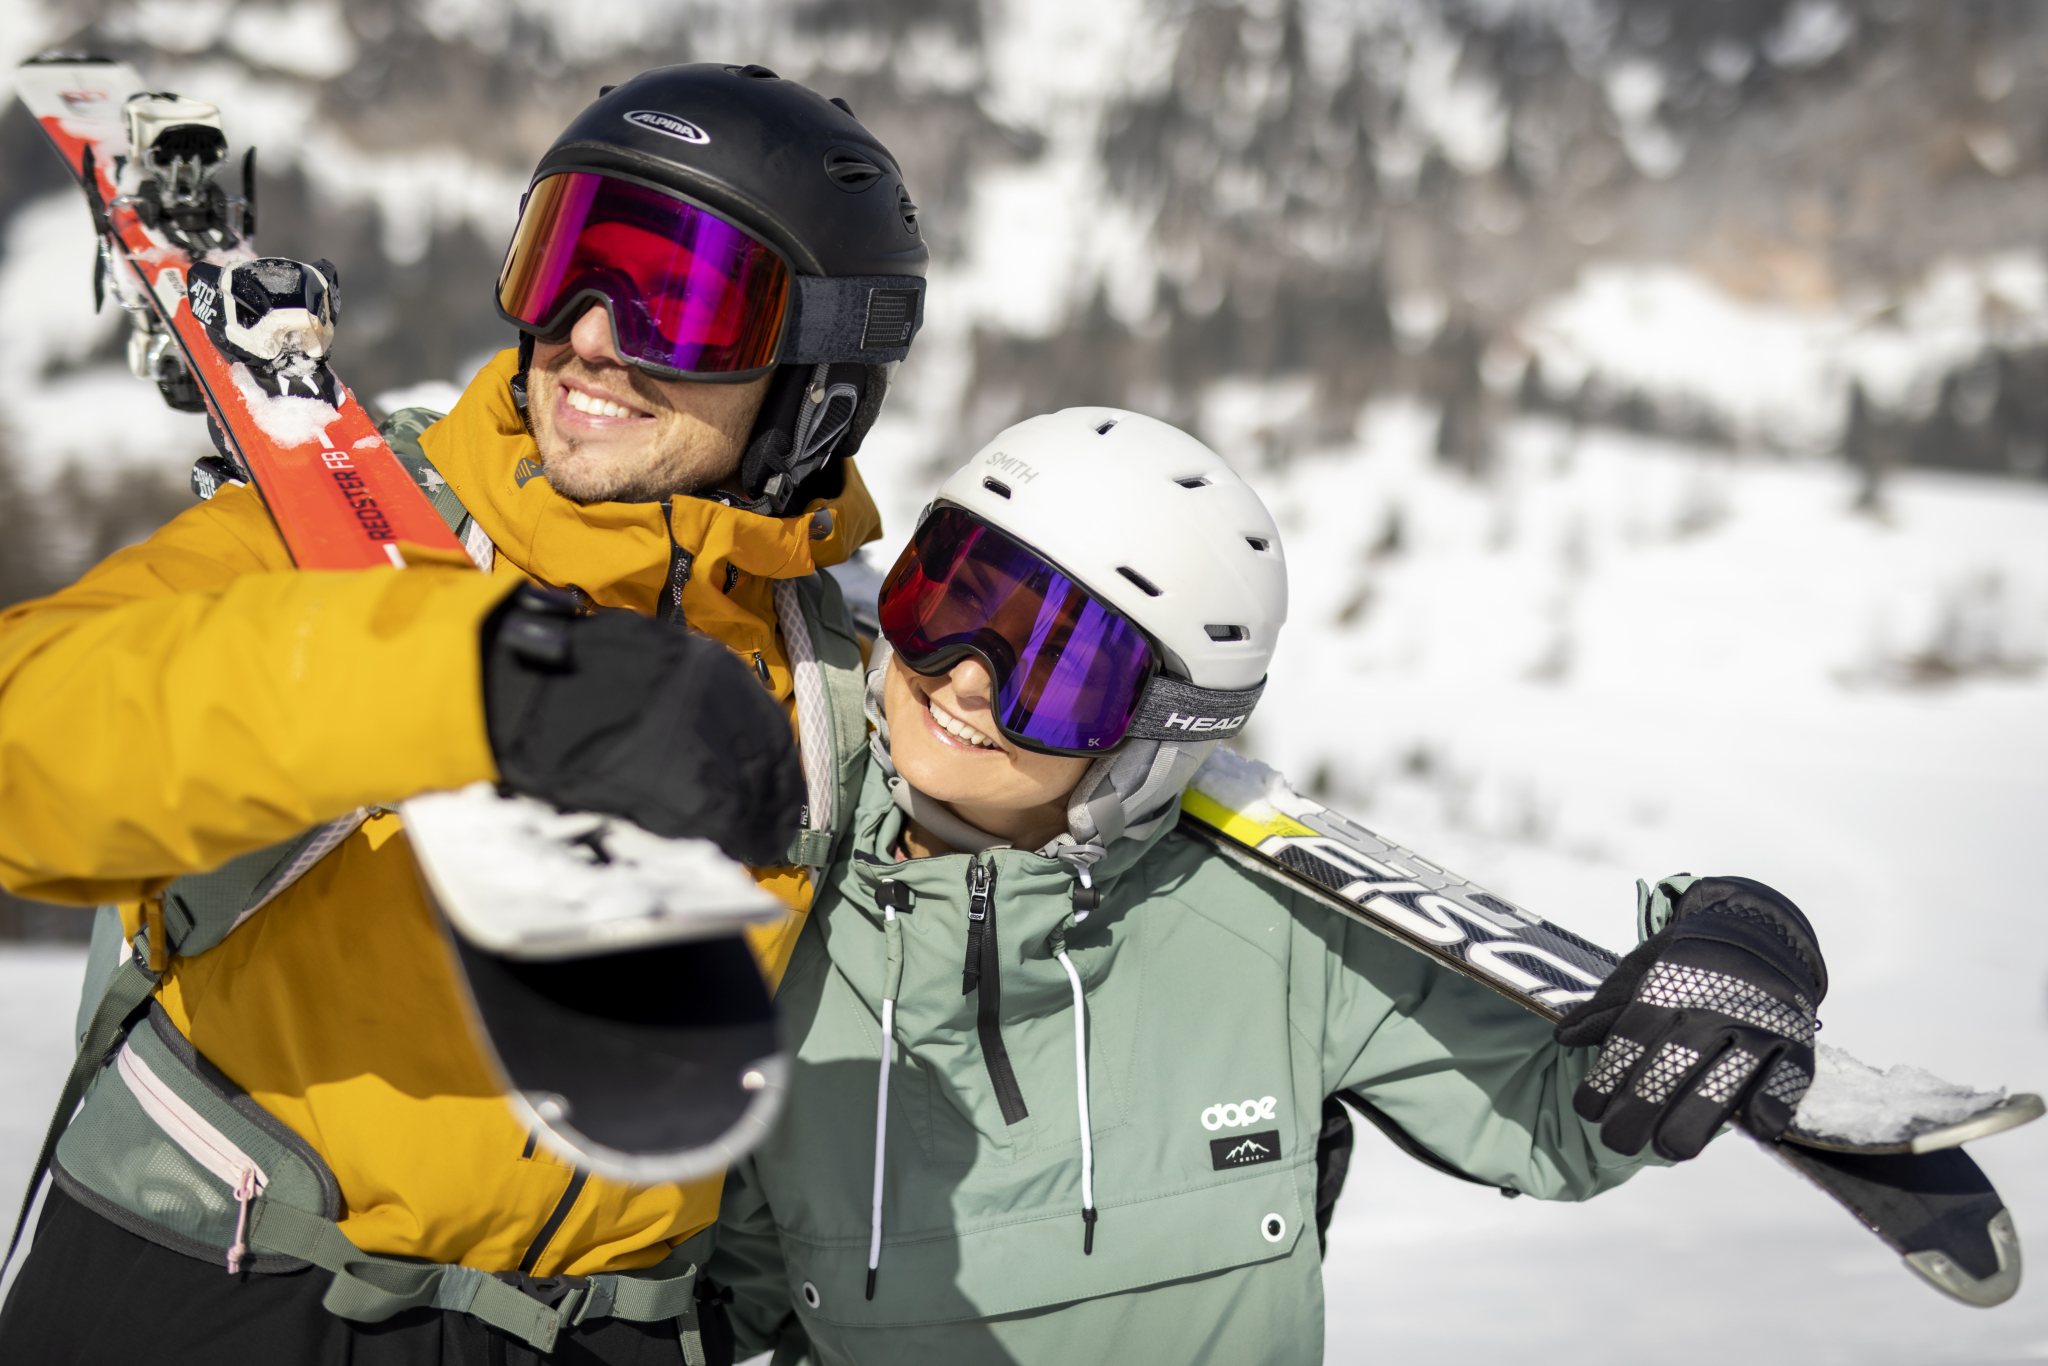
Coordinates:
1072 675
691 296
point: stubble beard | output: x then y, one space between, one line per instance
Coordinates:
693 442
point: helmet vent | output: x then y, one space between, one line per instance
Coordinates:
1227 633
997 487
1198 482
843 105
754 72
1146 585
1103 430
907 209
1258 543
604 90
850 171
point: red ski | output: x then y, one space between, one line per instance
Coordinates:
340 498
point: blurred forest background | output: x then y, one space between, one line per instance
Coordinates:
1652 394
1790 229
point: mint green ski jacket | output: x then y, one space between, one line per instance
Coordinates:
1220 1009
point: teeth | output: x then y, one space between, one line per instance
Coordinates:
954 726
596 407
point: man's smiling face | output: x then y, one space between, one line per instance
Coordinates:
609 433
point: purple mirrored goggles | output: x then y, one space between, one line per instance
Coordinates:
1072 675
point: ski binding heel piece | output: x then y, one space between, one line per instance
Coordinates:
175 145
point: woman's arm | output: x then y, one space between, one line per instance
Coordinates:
1472 1077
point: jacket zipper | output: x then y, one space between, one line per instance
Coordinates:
679 562
539 1245
983 972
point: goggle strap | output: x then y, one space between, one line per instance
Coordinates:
858 319
1170 709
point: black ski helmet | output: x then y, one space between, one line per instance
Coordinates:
800 173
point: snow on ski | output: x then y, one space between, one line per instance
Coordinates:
1891 1153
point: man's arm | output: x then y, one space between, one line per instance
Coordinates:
195 697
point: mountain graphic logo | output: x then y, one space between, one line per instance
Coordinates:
1244 1150
528 468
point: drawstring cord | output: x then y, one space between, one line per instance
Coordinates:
1058 944
881 1142
245 1190
892 896
1087 1142
889 896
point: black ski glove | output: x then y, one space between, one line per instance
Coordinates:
1713 1014
626 715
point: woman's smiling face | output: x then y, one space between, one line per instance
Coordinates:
944 741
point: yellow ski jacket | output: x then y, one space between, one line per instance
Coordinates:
196 697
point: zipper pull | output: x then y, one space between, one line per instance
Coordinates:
247 1188
980 881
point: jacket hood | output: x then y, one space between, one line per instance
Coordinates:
878 826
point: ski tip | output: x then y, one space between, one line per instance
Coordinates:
2009 1113
1941 1271
763 1089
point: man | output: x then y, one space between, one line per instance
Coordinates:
713 271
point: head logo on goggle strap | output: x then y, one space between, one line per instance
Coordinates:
681 129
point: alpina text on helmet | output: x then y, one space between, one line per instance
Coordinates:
681 129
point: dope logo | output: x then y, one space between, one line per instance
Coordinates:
1238 1114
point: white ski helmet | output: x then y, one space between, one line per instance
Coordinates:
1152 522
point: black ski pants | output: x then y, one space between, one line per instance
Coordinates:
91 1292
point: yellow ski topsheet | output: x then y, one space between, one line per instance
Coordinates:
1236 824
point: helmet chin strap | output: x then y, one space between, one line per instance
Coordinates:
811 415
526 344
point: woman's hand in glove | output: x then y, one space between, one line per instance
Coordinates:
633 717
1711 1016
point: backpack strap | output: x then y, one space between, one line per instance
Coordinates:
825 662
126 991
195 913
370 1289
402 431
832 729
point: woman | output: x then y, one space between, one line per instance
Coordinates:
1060 1071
